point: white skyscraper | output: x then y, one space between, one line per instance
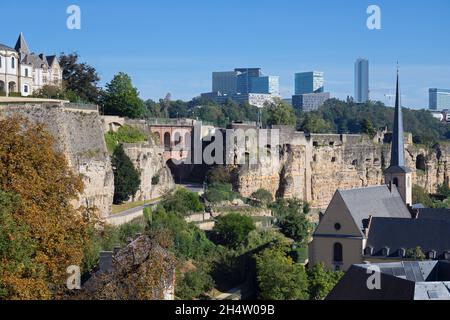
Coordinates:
361 80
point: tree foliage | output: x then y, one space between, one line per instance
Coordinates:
279 278
262 197
126 177
41 232
80 79
233 229
122 99
279 113
183 202
321 281
292 219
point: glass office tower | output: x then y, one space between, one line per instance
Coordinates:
361 80
309 82
439 99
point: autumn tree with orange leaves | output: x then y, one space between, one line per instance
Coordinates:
41 233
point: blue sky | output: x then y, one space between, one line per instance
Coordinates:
173 45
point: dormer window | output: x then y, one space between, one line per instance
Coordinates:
368 251
385 252
401 253
432 255
447 255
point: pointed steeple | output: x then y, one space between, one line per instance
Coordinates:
21 45
398 143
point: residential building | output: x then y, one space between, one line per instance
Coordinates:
362 81
309 82
439 99
310 102
24 72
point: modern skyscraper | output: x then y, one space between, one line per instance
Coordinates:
439 99
309 82
244 78
225 82
265 84
361 80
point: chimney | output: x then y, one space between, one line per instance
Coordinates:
106 259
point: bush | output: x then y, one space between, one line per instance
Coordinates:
125 134
321 281
262 197
218 192
183 202
126 177
232 230
193 284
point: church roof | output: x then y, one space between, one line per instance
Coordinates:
395 234
21 45
408 280
398 138
377 201
4 47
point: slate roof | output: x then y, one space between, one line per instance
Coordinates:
412 280
395 234
21 45
377 201
4 47
50 60
434 214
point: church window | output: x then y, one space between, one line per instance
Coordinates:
338 253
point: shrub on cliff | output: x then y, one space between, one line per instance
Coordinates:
262 197
183 201
41 234
126 177
125 134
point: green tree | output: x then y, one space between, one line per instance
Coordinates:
80 79
218 192
232 230
367 128
126 177
122 99
183 202
312 123
279 113
292 219
279 278
321 281
193 284
415 254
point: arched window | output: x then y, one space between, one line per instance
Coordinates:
13 62
338 253
167 140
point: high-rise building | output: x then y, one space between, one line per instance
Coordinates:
225 82
361 80
439 99
310 101
244 78
309 82
265 84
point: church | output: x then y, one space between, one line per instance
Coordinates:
23 72
378 224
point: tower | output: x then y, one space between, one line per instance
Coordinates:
398 174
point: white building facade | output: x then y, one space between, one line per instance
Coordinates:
23 72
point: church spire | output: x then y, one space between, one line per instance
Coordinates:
21 45
398 138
